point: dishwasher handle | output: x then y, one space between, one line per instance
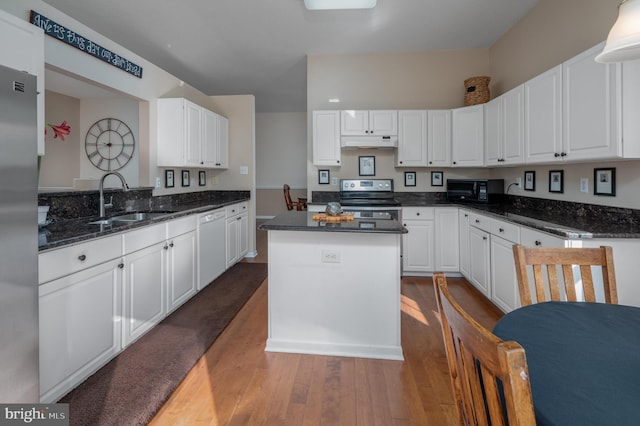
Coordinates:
210 217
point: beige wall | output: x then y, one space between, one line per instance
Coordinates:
388 80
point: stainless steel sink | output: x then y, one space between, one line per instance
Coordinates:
130 217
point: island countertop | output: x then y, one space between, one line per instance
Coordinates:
303 221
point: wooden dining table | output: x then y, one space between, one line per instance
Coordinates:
583 358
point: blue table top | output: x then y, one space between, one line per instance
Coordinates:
583 358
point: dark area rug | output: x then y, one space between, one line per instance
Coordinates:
131 388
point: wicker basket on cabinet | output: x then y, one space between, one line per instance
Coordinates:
477 90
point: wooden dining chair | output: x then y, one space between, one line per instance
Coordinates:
562 274
489 376
300 204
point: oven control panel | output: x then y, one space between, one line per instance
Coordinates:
364 185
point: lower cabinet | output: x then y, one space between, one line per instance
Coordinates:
479 267
237 232
463 241
504 283
181 269
80 326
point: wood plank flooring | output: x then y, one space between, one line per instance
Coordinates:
237 383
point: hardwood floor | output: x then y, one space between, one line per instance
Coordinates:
237 383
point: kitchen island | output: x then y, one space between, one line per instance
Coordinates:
334 288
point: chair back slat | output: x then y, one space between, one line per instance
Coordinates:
477 361
569 274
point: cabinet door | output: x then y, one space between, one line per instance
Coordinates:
412 139
543 117
193 135
447 250
354 123
209 139
463 223
439 138
493 132
468 136
232 241
383 122
326 138
80 326
144 291
417 246
222 145
504 284
243 235
479 260
181 269
513 126
592 95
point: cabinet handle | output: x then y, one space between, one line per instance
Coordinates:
239 218
430 162
484 238
556 155
121 265
400 162
563 154
166 247
454 162
171 244
82 258
417 213
501 230
338 161
477 221
466 215
538 243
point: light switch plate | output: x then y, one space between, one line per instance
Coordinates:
584 184
244 170
334 181
158 182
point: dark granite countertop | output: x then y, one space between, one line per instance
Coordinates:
303 221
66 232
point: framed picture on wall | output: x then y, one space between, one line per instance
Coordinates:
168 179
437 179
323 177
604 181
202 178
367 166
409 178
530 181
185 178
556 178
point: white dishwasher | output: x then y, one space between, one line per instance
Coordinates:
212 246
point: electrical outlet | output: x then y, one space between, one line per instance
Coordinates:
334 181
584 184
158 182
519 182
330 256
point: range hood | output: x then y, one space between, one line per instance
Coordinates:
369 141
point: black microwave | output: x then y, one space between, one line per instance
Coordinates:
475 190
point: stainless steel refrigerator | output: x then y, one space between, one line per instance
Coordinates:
18 238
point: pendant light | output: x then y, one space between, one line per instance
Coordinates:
339 4
623 42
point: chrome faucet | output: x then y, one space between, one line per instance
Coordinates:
125 188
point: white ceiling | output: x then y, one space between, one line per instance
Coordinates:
259 47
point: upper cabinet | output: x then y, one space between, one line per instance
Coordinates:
467 136
439 137
412 139
543 117
504 129
23 49
190 135
326 138
366 123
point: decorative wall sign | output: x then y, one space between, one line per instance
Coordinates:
367 166
202 178
70 37
530 180
323 177
409 178
168 179
437 179
604 181
185 178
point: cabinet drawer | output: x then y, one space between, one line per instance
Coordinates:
480 221
238 208
418 213
143 237
506 230
534 238
182 226
67 260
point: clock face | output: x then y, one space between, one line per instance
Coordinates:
109 144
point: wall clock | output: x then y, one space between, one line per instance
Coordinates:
109 144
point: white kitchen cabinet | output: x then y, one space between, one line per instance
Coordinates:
504 284
190 135
504 129
412 139
533 238
467 136
144 285
447 249
23 50
543 117
215 152
418 248
463 241
479 267
237 232
80 326
181 261
439 138
326 138
363 123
